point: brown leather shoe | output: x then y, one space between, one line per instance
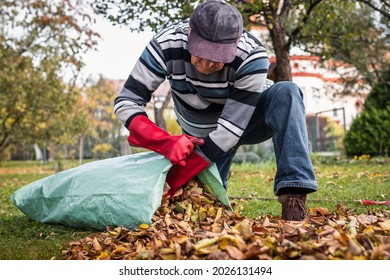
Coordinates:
293 207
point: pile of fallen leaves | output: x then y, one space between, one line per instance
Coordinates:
194 225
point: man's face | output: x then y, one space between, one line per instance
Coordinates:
205 66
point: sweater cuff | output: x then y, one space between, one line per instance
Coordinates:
127 124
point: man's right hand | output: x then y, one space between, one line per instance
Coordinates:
179 175
144 133
178 148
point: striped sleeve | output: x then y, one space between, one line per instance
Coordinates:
240 106
148 73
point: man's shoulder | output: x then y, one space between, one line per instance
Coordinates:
173 32
249 44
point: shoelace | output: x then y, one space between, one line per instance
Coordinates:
296 209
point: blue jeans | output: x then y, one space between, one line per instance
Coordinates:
280 114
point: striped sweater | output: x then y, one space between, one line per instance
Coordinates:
216 107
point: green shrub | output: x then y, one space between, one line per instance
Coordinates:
370 131
369 134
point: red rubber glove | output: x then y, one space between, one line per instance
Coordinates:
146 134
179 175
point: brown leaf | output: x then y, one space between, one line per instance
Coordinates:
234 253
363 219
194 225
245 229
255 250
287 227
179 238
260 230
326 230
385 225
365 242
354 248
320 210
267 223
96 245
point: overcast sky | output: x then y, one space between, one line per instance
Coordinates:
118 50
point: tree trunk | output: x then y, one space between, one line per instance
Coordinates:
81 150
159 108
159 117
4 144
52 152
282 49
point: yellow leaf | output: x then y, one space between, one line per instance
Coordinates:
316 245
385 225
224 243
165 251
369 230
202 213
211 211
119 250
331 223
361 258
195 217
204 251
168 257
205 243
293 254
216 227
112 233
187 215
143 226
218 215
205 200
103 255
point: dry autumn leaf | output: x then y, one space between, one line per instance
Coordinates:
193 225
385 225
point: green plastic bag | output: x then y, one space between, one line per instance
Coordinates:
122 191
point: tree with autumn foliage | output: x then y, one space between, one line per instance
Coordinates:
104 132
41 49
313 25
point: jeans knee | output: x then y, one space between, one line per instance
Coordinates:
288 92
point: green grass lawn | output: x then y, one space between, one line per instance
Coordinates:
339 183
250 187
